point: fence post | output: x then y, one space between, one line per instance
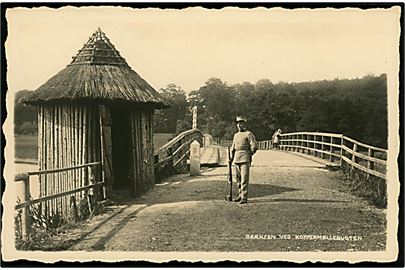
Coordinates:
370 164
195 158
26 215
341 151
354 159
314 144
322 146
331 149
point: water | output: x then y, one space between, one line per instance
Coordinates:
34 180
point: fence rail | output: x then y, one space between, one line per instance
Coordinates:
335 147
172 154
91 175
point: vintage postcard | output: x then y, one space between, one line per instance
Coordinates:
201 134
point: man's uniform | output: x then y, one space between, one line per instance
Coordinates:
244 146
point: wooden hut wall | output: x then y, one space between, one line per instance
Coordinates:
68 135
142 150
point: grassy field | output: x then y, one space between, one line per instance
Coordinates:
26 146
160 139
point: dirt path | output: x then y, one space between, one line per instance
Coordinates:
294 204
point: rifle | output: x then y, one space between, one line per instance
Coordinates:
228 198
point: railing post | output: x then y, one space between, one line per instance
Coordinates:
26 215
331 158
341 151
354 159
195 158
322 147
370 164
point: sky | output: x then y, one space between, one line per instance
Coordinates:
187 47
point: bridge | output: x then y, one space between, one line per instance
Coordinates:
298 201
295 204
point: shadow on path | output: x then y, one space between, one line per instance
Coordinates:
100 244
295 200
206 190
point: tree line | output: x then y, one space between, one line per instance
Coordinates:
25 117
354 107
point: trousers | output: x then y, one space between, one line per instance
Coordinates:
242 178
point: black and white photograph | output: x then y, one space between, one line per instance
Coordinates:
238 134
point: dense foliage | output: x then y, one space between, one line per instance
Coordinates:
25 117
356 108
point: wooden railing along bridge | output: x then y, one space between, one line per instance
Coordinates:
335 147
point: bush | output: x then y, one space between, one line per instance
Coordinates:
373 189
26 128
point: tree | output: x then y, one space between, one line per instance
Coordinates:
165 121
24 114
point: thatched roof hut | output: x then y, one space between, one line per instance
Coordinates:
98 73
97 109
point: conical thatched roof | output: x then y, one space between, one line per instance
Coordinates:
97 73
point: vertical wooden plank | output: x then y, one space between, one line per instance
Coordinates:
331 157
56 157
40 155
322 146
97 142
50 163
341 151
68 147
26 215
46 146
370 164
151 150
61 149
76 146
60 156
133 154
52 153
106 148
80 143
146 149
354 159
85 147
138 152
66 156
144 152
48 143
142 148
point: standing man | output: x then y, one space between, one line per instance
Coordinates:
276 139
243 148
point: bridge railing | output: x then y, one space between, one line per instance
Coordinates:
335 147
58 198
175 152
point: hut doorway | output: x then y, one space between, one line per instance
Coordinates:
121 148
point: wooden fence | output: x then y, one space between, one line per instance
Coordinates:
335 147
174 153
91 173
170 155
